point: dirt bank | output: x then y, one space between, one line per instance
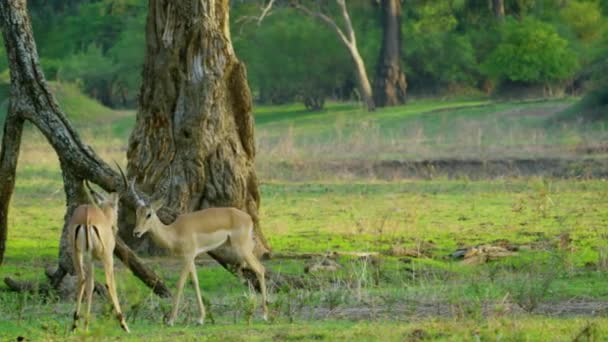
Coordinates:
573 168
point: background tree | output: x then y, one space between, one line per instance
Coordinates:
447 42
498 6
531 52
390 83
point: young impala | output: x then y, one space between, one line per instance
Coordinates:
92 229
199 232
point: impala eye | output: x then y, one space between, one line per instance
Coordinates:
148 216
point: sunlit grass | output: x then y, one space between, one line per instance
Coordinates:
345 213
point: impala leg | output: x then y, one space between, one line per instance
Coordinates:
178 295
201 305
78 266
90 283
111 285
259 271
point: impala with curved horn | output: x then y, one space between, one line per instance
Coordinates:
92 229
199 232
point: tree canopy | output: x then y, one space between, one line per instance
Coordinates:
449 47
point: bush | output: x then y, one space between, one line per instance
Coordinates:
584 19
531 52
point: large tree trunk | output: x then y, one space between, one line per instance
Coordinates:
390 84
193 144
32 100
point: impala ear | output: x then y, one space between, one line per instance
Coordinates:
159 203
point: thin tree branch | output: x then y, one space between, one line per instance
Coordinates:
325 18
349 25
266 11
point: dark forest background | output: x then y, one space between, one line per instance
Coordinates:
539 48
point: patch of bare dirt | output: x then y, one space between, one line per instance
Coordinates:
541 111
423 310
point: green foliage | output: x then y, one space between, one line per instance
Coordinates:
99 44
89 67
531 51
584 18
291 57
438 60
309 53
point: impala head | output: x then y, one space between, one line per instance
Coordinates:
145 217
145 213
108 204
110 207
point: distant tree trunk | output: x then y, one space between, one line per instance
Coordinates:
31 100
498 6
390 85
193 142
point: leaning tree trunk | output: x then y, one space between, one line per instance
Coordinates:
31 100
390 85
11 141
193 144
364 84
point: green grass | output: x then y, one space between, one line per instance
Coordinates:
421 129
77 106
394 298
526 329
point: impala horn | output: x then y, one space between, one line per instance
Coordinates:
97 197
140 202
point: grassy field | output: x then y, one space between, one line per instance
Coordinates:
550 284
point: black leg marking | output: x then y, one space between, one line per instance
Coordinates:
96 232
77 231
76 318
86 237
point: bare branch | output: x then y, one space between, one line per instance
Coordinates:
325 18
349 25
266 11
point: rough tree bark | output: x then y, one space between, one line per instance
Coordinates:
193 144
32 100
348 38
390 85
11 141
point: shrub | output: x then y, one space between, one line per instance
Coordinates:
531 52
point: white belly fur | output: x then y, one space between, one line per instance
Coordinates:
211 241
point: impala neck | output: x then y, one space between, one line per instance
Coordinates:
161 233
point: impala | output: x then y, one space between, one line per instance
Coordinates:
199 232
92 229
